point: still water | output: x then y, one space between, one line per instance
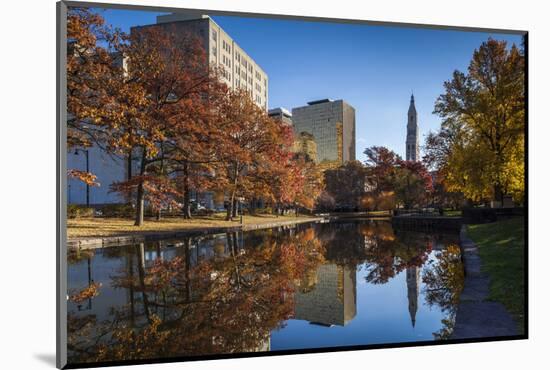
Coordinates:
309 286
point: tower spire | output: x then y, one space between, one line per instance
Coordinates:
411 144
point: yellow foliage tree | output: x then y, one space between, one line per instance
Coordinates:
480 147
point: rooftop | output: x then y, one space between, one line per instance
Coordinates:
319 101
280 110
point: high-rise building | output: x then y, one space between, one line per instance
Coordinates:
412 148
332 124
238 69
281 114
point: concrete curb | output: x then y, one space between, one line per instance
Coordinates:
477 317
118 240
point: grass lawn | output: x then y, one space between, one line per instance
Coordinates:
452 213
98 227
501 248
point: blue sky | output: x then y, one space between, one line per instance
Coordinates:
373 68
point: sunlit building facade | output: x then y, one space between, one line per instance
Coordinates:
304 145
238 69
332 124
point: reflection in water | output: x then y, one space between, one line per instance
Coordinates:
413 277
243 292
332 300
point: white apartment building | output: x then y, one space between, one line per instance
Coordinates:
239 71
238 68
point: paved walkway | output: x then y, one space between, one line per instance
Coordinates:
117 240
476 316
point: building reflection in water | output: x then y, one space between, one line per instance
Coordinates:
413 288
226 293
331 300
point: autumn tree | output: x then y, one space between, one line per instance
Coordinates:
253 149
91 68
171 69
346 184
412 184
312 184
381 164
480 147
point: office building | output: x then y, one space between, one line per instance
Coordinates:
332 124
281 115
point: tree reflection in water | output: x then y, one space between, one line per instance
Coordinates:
444 281
226 294
227 303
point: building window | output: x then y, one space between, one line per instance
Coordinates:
214 35
214 51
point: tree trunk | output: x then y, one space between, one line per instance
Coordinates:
235 208
252 207
139 205
140 193
231 205
186 192
129 174
499 194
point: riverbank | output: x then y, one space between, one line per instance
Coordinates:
99 232
491 304
502 251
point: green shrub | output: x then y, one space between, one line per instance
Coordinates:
117 210
78 211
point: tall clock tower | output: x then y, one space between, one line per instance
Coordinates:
412 148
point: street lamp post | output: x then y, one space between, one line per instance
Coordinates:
87 154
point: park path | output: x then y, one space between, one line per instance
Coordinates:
118 240
477 317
